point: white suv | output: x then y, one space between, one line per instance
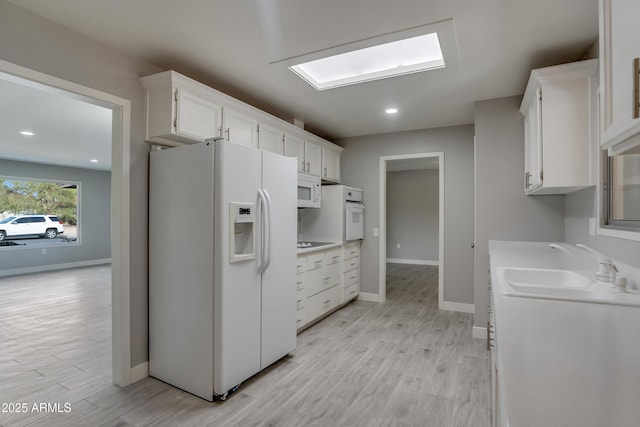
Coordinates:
48 226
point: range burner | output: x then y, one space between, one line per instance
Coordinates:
303 245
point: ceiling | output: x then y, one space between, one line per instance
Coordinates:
67 131
241 48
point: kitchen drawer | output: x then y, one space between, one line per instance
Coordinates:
323 278
351 250
302 301
301 318
323 302
333 256
351 264
351 278
302 264
315 261
300 283
352 291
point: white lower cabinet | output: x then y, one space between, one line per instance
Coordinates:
327 279
324 302
350 271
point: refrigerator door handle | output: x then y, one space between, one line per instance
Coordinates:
267 231
262 200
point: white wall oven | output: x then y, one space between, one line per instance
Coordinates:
354 214
309 192
341 218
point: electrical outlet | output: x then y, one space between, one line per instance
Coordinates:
592 227
397 245
44 251
376 232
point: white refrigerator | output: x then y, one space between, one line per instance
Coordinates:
222 264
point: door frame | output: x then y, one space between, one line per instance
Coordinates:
382 274
120 206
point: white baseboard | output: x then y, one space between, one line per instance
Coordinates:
54 267
139 372
457 306
412 261
479 332
367 296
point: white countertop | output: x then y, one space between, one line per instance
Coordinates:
563 362
302 251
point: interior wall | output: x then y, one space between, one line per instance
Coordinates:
578 208
360 168
412 215
503 211
33 42
95 220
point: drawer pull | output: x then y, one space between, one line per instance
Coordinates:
318 262
353 264
327 302
326 279
353 277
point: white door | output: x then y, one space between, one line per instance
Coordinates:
294 147
271 139
312 158
236 295
196 116
279 177
240 128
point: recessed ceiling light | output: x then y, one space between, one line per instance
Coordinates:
27 133
409 55
94 161
391 110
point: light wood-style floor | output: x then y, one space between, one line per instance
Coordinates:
401 363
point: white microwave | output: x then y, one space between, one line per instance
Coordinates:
309 193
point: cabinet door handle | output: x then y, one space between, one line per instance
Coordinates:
308 167
325 171
636 88
228 132
527 180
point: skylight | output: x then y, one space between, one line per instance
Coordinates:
410 55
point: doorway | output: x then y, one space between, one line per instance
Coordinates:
410 167
120 141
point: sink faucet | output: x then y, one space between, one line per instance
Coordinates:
607 270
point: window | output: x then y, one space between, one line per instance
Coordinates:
621 192
38 212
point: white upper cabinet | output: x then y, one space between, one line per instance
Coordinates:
179 110
240 128
271 139
312 158
330 165
619 74
294 147
560 128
